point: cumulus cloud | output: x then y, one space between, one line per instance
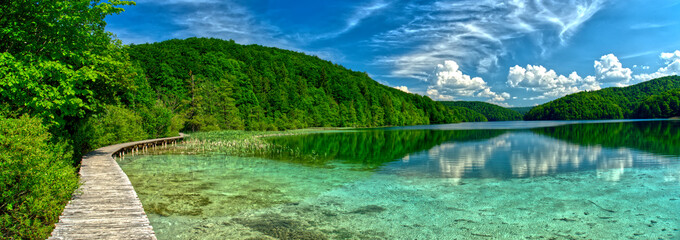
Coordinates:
672 62
450 83
434 94
475 32
547 82
610 70
403 89
670 57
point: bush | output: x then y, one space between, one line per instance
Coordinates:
113 125
36 179
159 121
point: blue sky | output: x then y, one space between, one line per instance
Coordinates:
512 53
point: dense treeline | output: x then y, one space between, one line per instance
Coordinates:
492 112
467 115
216 84
609 103
521 110
664 105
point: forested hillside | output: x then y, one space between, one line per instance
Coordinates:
521 110
217 84
609 103
492 112
663 105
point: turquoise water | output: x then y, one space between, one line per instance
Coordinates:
586 180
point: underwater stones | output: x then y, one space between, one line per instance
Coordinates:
328 213
368 209
600 207
281 227
189 204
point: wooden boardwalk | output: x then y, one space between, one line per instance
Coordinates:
106 205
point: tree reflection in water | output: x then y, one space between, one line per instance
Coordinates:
609 148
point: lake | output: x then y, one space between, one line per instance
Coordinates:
501 180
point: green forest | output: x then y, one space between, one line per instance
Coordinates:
656 98
663 105
490 111
213 84
521 110
67 87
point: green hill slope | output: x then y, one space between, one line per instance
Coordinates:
492 112
663 105
521 110
219 84
609 103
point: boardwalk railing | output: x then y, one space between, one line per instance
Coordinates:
106 205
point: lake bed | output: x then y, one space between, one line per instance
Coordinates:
585 180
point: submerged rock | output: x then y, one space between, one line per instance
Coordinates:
369 209
281 227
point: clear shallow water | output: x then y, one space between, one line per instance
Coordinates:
580 181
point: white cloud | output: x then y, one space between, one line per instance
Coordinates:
434 94
474 32
643 67
547 82
610 70
450 76
672 61
403 89
670 57
451 83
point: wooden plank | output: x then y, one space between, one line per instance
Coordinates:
106 205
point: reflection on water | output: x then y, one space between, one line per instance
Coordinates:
602 180
520 155
499 153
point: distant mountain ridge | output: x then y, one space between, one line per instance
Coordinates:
492 112
521 110
614 103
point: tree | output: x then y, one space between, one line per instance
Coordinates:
609 103
57 62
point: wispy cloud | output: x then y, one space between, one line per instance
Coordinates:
360 13
639 54
227 20
643 26
475 33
